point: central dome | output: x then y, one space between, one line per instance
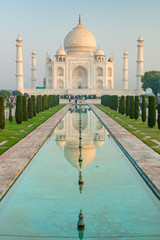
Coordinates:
80 41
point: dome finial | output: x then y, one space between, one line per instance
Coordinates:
79 18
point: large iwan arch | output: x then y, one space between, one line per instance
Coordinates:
79 78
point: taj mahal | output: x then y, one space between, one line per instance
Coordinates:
80 68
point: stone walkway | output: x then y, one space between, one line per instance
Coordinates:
147 160
14 160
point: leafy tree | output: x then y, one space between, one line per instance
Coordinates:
131 111
143 109
34 105
136 107
10 115
127 105
5 94
26 94
151 112
2 115
19 110
158 120
16 93
25 112
30 108
151 80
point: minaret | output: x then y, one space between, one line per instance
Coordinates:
19 64
140 63
125 70
34 70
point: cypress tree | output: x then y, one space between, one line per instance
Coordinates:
143 109
43 104
127 105
131 111
136 107
57 99
123 105
25 112
51 101
10 114
19 109
40 103
34 105
37 104
48 102
115 102
158 120
30 108
2 115
151 112
54 100
119 108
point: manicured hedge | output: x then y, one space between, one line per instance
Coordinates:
131 111
25 112
143 109
151 111
2 115
136 107
30 108
19 109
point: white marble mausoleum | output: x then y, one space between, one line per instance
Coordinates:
79 68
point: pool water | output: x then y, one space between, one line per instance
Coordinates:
46 200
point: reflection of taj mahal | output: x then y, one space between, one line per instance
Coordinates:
92 137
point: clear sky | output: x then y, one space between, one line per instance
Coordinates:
43 25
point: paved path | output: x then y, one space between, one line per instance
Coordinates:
147 159
14 160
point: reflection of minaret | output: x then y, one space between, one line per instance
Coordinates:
81 225
81 182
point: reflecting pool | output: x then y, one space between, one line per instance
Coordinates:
80 185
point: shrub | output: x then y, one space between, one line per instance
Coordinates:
136 107
143 109
158 120
19 109
30 108
25 112
34 105
2 115
151 111
127 105
131 111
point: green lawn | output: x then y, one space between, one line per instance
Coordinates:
137 127
16 132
